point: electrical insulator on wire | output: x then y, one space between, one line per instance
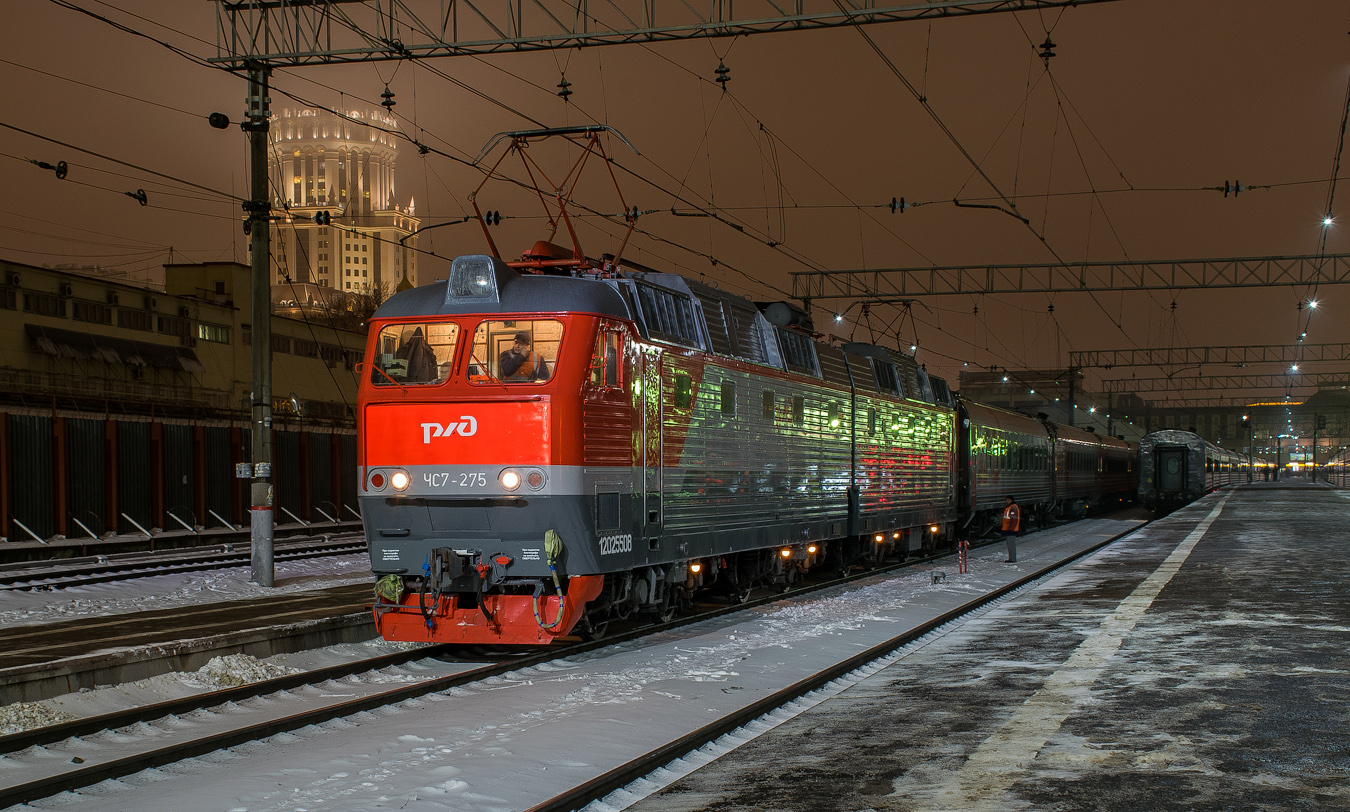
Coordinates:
632 214
323 218
218 120
61 169
1047 50
564 89
898 204
493 218
723 74
139 196
1233 188
388 96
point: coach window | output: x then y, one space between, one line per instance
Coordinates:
413 354
605 359
871 422
766 404
798 410
832 413
515 351
684 390
728 399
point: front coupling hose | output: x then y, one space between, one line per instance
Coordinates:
553 547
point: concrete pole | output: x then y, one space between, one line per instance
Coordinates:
263 570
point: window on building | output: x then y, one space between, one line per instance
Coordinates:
91 312
44 305
216 333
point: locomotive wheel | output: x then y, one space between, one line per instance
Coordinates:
591 628
666 613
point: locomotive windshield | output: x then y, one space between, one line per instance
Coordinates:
413 354
515 351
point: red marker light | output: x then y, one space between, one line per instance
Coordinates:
503 560
377 480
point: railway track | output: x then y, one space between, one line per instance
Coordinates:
68 572
57 758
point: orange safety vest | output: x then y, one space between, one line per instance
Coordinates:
1012 518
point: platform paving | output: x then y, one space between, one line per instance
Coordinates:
1201 663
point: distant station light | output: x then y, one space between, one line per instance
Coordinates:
838 317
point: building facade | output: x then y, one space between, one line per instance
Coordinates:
320 162
123 406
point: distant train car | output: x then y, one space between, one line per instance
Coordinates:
1177 467
1004 453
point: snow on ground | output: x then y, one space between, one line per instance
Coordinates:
511 741
26 608
221 672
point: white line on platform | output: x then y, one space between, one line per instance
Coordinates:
983 781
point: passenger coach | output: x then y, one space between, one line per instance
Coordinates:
1177 467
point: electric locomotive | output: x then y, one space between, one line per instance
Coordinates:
667 438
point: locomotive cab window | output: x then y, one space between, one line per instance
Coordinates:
413 354
605 359
519 351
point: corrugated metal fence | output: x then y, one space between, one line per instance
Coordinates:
82 476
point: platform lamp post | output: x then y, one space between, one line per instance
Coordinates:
1246 423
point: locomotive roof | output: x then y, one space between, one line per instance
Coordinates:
511 292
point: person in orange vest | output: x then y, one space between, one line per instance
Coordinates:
520 363
1012 522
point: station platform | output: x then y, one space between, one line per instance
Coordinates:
1199 663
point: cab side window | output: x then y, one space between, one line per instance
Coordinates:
605 363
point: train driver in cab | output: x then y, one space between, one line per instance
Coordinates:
521 362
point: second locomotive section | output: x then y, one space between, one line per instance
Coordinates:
542 453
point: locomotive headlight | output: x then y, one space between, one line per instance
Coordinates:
811 549
785 553
880 538
933 529
510 480
399 480
696 568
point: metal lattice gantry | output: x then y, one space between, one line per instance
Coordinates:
882 285
1199 356
1181 383
280 33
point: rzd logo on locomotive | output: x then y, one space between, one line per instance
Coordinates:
616 544
467 427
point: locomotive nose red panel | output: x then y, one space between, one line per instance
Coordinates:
465 433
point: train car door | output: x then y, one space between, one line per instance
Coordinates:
652 415
1171 464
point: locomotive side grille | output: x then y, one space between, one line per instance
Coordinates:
607 434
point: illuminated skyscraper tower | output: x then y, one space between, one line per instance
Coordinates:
321 162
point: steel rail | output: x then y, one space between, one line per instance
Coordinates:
189 561
84 776
625 774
